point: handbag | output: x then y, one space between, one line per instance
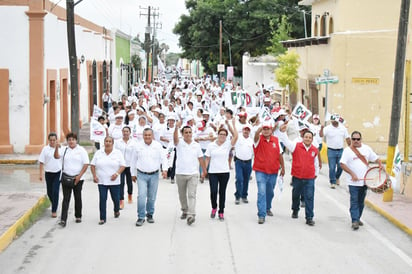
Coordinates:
67 180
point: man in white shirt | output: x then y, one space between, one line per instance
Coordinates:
335 134
354 162
144 167
189 156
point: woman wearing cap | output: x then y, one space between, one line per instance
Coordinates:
217 154
115 129
106 166
317 126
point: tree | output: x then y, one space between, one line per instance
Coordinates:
281 33
287 71
245 23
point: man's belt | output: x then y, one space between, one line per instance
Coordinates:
148 173
243 161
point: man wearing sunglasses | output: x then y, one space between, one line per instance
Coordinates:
354 162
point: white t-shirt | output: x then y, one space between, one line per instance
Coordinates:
126 148
115 131
244 148
219 156
355 164
335 136
50 163
74 160
187 157
107 165
203 134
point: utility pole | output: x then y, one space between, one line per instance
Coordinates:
155 26
147 40
74 89
220 48
397 91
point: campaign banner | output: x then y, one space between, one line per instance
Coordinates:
301 112
97 131
97 112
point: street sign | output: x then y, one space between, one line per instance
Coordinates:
220 68
327 80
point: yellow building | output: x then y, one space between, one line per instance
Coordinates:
356 42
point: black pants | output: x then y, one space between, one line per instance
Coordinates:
171 171
126 175
218 183
67 193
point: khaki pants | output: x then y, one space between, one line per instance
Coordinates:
187 186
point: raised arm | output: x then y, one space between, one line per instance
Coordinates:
233 131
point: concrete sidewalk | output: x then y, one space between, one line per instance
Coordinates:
21 193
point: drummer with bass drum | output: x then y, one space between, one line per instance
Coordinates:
355 162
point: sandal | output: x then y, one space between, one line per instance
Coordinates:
101 222
54 215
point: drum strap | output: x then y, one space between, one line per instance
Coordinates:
360 156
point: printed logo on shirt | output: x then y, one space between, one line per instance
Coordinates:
313 154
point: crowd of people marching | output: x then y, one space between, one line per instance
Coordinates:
189 130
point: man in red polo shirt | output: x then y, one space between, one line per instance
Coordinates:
268 159
305 168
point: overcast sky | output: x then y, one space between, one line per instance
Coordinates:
125 15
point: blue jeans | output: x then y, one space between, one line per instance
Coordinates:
307 188
126 175
114 193
357 201
53 188
334 166
147 191
243 170
266 185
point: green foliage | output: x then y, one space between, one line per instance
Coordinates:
287 72
172 58
136 62
245 23
279 33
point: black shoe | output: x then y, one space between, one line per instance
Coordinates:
190 220
360 223
78 220
237 201
183 216
355 225
62 223
139 222
310 222
149 218
245 200
269 213
295 214
102 222
116 214
261 220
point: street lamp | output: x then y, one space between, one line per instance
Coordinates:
230 54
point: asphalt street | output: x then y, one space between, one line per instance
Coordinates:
237 245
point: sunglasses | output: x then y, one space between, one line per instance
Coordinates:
356 139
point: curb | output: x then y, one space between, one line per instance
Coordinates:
389 217
17 162
11 233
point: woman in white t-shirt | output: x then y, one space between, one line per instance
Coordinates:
217 155
52 168
106 166
75 163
